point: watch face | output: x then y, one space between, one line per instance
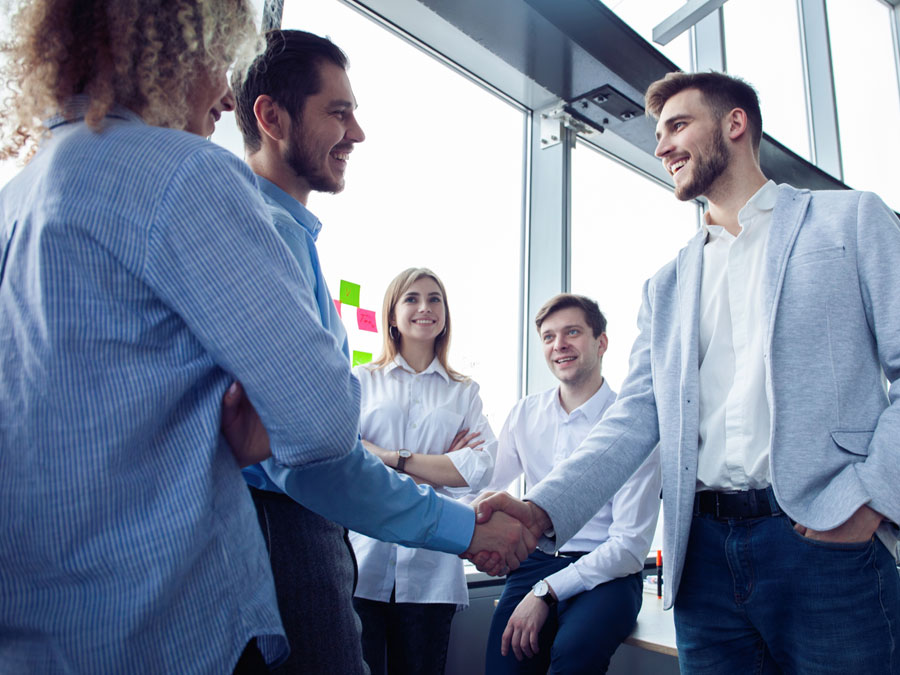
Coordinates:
540 588
406 454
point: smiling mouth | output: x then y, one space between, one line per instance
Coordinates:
675 167
424 322
565 359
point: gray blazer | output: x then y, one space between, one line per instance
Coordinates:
833 305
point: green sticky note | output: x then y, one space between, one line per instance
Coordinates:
360 358
349 293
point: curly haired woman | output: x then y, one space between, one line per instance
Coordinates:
139 274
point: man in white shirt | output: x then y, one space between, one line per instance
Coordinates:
760 372
571 611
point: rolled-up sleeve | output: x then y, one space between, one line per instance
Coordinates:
475 465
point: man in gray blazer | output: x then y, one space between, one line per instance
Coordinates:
760 371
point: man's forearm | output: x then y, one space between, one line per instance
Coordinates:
361 493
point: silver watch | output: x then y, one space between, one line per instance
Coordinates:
542 590
402 456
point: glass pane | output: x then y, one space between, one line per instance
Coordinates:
868 103
643 15
437 183
777 74
624 228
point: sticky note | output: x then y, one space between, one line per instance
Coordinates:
337 306
349 293
360 358
365 319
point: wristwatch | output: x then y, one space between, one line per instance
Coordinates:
402 456
542 590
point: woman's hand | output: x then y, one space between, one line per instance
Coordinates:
462 440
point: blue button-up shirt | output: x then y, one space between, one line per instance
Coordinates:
139 274
373 499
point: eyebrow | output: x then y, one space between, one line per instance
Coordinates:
342 103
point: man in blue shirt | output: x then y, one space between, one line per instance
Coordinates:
295 109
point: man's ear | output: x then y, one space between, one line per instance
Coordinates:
271 118
737 124
604 343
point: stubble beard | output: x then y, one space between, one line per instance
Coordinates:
706 169
304 163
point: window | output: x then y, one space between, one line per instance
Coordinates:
777 74
624 228
437 183
643 15
868 102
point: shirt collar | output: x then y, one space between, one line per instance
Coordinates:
762 200
592 409
434 367
77 107
298 212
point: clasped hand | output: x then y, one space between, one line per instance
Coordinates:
506 532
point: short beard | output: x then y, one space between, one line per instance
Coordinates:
304 164
707 168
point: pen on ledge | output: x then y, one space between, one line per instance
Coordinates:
659 573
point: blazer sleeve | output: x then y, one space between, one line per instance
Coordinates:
578 487
878 246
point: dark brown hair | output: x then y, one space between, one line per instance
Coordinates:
592 314
721 92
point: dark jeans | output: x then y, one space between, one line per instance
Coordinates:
315 573
580 634
405 638
757 597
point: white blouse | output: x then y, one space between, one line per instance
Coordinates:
420 412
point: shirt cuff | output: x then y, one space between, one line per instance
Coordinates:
566 583
455 528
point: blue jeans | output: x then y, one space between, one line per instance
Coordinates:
580 634
757 597
404 638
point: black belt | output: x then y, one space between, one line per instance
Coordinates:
735 505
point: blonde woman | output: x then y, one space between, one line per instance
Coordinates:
421 418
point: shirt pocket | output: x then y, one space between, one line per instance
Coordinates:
439 426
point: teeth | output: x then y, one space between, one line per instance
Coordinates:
674 167
343 156
429 321
566 359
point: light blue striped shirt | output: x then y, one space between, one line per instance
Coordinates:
139 275
412 515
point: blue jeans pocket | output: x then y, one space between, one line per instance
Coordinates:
853 546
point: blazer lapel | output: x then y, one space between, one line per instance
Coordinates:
790 207
690 269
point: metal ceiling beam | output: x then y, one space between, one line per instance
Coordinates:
569 49
683 18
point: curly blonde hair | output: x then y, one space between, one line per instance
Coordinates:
142 54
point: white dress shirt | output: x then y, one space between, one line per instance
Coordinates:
734 410
420 412
537 436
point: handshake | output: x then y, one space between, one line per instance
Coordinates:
506 532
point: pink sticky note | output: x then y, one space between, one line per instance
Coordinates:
337 306
365 318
